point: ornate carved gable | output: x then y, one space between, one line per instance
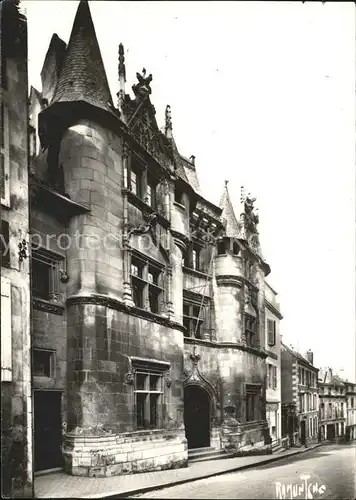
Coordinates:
142 122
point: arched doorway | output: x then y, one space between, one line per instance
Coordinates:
197 416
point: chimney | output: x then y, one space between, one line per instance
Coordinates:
310 356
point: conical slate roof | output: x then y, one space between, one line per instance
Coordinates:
228 216
82 76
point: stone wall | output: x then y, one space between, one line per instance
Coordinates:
16 463
102 456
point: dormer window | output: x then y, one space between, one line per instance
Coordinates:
235 248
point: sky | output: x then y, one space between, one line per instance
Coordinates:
263 95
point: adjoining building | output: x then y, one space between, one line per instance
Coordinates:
332 401
16 401
149 306
350 396
300 405
273 349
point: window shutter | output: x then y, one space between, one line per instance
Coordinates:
4 157
271 329
6 337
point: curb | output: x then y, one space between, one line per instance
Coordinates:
161 486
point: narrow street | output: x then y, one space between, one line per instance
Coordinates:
328 471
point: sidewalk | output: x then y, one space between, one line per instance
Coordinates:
60 485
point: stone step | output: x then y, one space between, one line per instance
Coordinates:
209 455
199 451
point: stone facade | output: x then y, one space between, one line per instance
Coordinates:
351 411
149 301
300 402
16 407
333 406
273 348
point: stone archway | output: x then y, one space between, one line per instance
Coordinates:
197 416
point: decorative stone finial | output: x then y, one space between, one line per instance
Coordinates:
122 80
226 183
122 68
142 88
168 122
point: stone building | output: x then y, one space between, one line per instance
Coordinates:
273 349
148 300
16 403
332 402
300 405
350 388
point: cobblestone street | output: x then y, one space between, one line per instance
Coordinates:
331 471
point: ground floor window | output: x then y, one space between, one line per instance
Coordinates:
148 396
149 389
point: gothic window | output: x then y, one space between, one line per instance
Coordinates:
193 258
136 177
151 193
271 332
178 195
4 244
253 395
193 319
4 156
250 329
147 284
148 399
221 247
45 274
43 363
235 248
